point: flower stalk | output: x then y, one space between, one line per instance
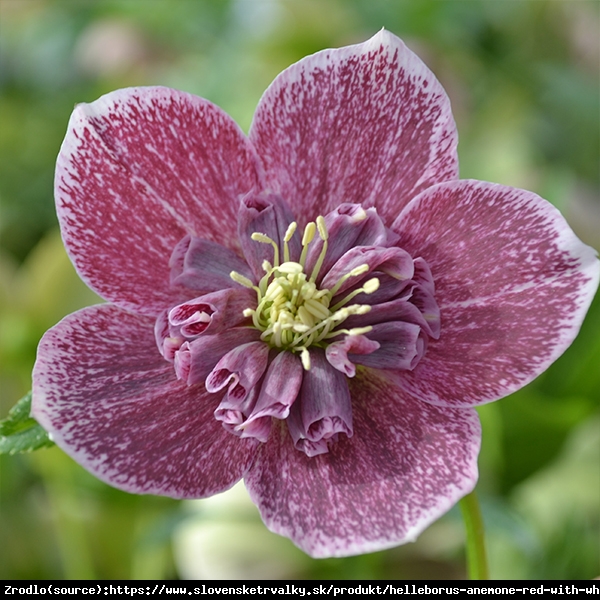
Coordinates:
477 567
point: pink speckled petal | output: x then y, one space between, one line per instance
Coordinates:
367 124
138 169
406 465
512 281
113 404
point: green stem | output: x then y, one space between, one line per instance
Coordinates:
476 558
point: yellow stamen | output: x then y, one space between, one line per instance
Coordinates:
360 270
370 286
360 215
309 234
286 238
292 313
322 228
288 268
305 358
242 280
265 239
353 331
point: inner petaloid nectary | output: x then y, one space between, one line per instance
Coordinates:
280 332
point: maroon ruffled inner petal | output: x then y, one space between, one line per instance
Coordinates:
202 265
323 409
270 215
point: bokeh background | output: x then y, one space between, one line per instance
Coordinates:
523 78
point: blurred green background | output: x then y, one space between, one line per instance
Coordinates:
523 78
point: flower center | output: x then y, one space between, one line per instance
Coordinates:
292 312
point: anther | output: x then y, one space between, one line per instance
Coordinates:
273 291
360 330
306 317
243 280
324 235
358 309
371 286
262 238
322 228
309 233
317 309
289 268
360 215
305 358
265 239
292 313
290 231
353 331
353 273
307 238
368 288
286 238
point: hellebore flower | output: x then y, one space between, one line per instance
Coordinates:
315 308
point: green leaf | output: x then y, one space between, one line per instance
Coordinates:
21 433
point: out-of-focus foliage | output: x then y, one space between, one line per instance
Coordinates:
523 80
21 433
